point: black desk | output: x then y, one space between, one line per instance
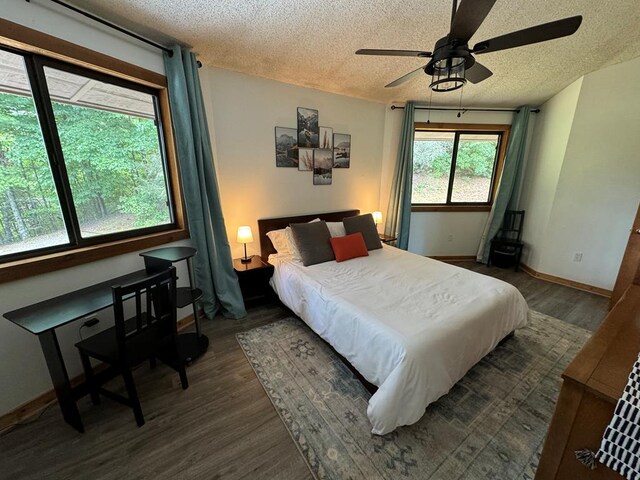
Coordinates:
44 317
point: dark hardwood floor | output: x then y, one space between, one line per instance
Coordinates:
581 308
223 426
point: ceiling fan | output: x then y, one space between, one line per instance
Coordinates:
452 60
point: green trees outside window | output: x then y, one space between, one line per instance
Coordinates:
473 158
114 170
29 205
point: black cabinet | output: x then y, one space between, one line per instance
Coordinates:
254 279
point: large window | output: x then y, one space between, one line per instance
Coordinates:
456 165
82 158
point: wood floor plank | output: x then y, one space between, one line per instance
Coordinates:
224 426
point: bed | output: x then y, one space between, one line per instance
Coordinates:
410 325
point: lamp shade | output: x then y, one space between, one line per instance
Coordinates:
377 217
245 235
448 74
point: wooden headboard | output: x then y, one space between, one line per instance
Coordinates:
267 224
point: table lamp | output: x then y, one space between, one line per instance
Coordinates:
377 218
245 236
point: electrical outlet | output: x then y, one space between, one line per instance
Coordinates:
91 322
577 257
450 238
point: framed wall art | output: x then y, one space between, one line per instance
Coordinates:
341 150
308 129
322 167
312 148
326 137
286 147
305 159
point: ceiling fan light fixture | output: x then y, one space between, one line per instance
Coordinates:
448 74
452 61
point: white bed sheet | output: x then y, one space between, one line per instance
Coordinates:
410 325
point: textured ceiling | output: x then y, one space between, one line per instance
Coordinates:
312 43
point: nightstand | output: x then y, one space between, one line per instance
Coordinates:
386 238
254 279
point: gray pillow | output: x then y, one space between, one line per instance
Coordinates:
365 225
313 241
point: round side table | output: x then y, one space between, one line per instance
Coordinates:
191 345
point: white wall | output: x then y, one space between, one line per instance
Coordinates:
548 147
599 184
446 233
243 111
23 373
436 233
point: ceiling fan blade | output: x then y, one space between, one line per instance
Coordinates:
539 33
406 77
477 73
469 17
393 53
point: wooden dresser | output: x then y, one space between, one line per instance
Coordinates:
592 385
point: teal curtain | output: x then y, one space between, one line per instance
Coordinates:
509 183
213 266
399 208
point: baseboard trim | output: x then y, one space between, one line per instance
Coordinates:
566 282
541 275
33 408
453 258
188 320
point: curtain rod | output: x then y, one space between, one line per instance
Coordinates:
470 109
120 29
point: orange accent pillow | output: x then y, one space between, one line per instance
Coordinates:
349 246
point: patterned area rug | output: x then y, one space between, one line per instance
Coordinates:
491 425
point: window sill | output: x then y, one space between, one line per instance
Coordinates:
57 261
450 208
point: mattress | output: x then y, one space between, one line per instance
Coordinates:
411 325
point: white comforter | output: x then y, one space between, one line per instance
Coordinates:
411 325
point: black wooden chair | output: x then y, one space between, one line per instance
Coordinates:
506 246
151 333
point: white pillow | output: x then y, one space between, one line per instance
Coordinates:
336 229
279 240
293 248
